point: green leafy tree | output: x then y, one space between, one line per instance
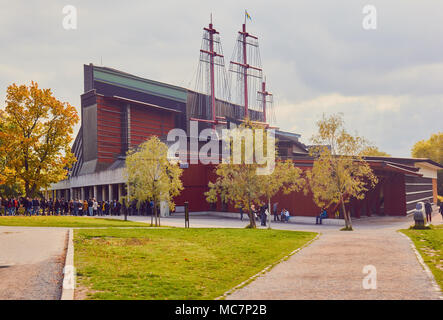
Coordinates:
431 149
151 176
339 171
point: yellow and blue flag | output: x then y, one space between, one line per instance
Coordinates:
247 15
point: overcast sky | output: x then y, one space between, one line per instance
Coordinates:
316 55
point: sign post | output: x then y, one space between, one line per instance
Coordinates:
186 214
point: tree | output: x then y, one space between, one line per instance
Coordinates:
38 129
239 183
431 149
285 177
151 176
339 172
372 151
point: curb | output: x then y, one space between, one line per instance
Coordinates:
428 271
69 270
266 269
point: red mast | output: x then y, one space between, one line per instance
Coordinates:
212 54
209 54
263 93
244 66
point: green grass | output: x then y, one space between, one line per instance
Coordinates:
430 245
175 263
66 221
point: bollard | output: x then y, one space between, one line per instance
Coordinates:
186 215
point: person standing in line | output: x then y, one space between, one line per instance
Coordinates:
57 207
90 203
3 203
29 206
16 205
118 206
107 208
71 207
35 207
85 207
43 206
75 207
80 207
94 207
50 207
9 206
66 207
428 211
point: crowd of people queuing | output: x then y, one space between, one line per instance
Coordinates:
77 207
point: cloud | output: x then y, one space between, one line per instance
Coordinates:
315 54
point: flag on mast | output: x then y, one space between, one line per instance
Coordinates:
247 15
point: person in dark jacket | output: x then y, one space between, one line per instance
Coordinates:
107 208
428 211
441 209
35 207
66 207
263 215
50 207
118 207
43 206
57 206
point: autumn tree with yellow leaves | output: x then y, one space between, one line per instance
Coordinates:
372 151
152 176
35 136
339 172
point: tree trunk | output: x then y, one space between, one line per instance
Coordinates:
346 215
251 217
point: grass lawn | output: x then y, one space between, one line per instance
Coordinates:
66 221
175 263
430 245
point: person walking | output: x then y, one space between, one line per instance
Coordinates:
428 211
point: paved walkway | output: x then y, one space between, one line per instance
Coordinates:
31 263
332 266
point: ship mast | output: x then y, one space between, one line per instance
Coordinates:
246 69
211 55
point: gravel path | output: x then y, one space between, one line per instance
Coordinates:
31 263
332 268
